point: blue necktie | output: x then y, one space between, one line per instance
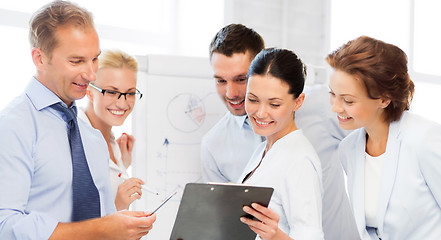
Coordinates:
86 199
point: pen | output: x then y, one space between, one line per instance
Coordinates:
163 202
142 186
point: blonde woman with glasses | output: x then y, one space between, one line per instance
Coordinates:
111 99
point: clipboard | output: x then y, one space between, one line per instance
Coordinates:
212 211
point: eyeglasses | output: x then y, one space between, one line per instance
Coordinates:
112 94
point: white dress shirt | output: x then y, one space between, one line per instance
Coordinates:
293 169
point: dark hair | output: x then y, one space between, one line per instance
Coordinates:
44 23
282 64
236 38
382 68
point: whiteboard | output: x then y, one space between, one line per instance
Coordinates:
179 106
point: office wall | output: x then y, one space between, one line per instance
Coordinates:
179 106
302 26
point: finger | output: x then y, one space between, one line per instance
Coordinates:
149 220
127 185
265 211
130 137
141 233
257 230
262 213
261 229
118 140
135 213
135 189
253 224
122 140
148 213
254 213
130 142
140 181
130 146
132 182
133 197
124 136
137 192
146 228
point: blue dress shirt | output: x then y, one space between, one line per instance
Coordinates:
227 148
36 167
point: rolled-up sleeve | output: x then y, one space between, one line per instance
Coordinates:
15 182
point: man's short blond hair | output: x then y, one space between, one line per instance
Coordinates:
44 23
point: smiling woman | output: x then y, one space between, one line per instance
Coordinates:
111 99
392 156
287 161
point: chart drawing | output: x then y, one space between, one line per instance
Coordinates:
168 125
186 112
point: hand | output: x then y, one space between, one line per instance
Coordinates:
267 228
125 143
127 192
122 225
128 224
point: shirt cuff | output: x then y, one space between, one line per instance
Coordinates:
36 225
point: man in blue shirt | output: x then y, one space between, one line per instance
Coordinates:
229 145
36 198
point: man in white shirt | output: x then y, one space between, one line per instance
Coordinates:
229 145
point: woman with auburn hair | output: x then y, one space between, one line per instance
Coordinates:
393 159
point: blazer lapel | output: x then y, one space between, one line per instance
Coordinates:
358 183
389 171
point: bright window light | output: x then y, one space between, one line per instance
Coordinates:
138 27
427 47
391 21
384 20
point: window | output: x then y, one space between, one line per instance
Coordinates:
405 24
16 62
427 39
138 27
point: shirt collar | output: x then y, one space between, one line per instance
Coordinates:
41 96
240 120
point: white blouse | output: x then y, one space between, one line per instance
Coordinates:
372 179
293 169
114 169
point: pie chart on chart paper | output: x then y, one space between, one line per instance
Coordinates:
186 112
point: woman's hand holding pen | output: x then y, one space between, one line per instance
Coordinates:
125 143
267 226
128 191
